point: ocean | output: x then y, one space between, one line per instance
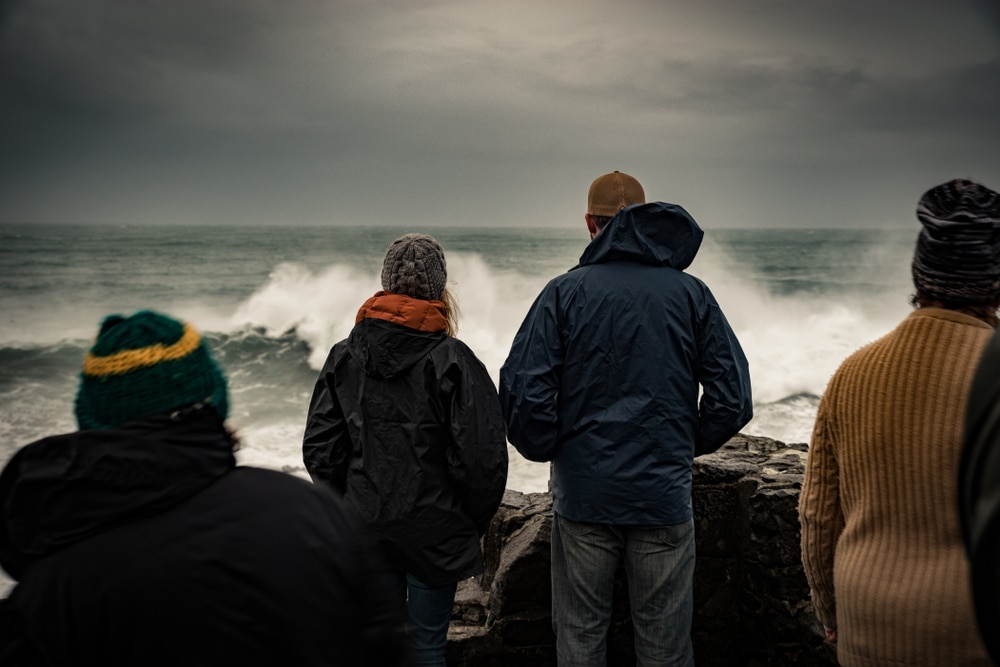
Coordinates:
272 300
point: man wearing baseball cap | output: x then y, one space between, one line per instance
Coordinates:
603 380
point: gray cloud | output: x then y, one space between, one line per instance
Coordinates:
990 11
460 112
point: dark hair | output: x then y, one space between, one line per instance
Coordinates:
982 310
600 221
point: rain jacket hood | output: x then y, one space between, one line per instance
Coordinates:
658 234
90 481
385 352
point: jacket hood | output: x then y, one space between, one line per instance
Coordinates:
65 488
422 314
658 233
394 332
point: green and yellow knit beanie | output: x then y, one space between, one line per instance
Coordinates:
146 364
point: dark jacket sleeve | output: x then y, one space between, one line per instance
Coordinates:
529 381
979 493
477 459
378 630
17 648
326 443
726 402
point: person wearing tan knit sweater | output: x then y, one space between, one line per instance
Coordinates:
881 540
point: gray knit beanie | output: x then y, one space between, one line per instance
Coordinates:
414 265
957 258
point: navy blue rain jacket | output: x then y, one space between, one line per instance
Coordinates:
603 376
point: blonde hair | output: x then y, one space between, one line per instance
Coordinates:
451 312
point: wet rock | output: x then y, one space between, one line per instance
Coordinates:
752 603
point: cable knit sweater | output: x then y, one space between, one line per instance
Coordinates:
881 542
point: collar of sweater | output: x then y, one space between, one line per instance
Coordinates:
951 315
419 314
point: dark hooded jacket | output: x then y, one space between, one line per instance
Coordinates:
147 545
603 376
979 494
405 423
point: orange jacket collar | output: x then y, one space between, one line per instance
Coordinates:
407 311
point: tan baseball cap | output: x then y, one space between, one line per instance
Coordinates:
612 192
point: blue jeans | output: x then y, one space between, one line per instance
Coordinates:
428 617
659 566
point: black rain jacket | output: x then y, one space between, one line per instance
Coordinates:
147 545
406 425
979 494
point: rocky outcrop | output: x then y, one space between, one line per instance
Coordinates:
751 598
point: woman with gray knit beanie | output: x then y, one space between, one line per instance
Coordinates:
405 424
882 544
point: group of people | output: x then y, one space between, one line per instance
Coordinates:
138 540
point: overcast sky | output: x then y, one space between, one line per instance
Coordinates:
750 113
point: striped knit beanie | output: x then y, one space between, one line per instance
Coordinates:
414 265
146 364
957 259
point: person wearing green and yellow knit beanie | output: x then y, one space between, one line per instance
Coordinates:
138 540
144 364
